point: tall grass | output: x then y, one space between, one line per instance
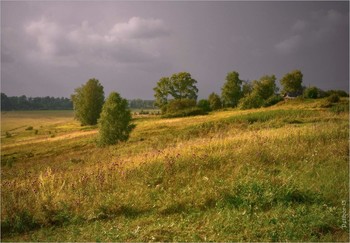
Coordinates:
264 175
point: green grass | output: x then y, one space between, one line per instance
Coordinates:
269 174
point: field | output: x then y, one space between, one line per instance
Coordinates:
269 174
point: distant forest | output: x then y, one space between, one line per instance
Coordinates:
23 102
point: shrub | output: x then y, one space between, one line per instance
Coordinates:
178 105
272 100
192 111
204 105
8 135
340 93
114 123
251 101
311 92
334 98
29 128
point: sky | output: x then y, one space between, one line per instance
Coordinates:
50 48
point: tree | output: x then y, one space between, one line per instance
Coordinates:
231 91
204 105
5 102
183 86
265 87
114 123
253 100
179 86
247 88
291 82
162 92
214 101
88 100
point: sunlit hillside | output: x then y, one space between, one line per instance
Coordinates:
269 174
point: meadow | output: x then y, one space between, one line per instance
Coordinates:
270 174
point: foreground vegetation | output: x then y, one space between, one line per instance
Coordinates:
269 174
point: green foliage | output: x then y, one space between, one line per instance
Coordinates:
340 93
272 100
179 86
265 87
262 93
312 92
183 86
178 105
204 105
214 101
251 101
88 101
291 82
231 91
191 111
247 88
162 92
333 98
114 123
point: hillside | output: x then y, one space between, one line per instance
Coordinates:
269 174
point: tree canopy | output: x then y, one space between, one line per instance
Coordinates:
265 87
178 86
231 92
88 100
291 82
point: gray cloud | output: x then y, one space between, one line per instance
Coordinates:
133 41
50 48
320 26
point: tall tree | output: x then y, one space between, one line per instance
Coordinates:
291 82
114 123
231 91
88 100
162 92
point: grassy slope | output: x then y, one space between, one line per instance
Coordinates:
271 174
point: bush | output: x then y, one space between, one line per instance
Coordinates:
29 128
192 111
272 100
334 98
204 105
114 123
251 101
312 92
340 93
177 105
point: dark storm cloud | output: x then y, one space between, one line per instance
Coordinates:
49 48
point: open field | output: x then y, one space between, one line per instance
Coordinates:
269 174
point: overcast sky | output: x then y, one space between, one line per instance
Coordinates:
50 48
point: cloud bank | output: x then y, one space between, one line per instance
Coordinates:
130 42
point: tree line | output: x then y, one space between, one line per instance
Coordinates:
177 95
23 102
34 103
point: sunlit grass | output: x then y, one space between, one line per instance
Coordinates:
271 174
